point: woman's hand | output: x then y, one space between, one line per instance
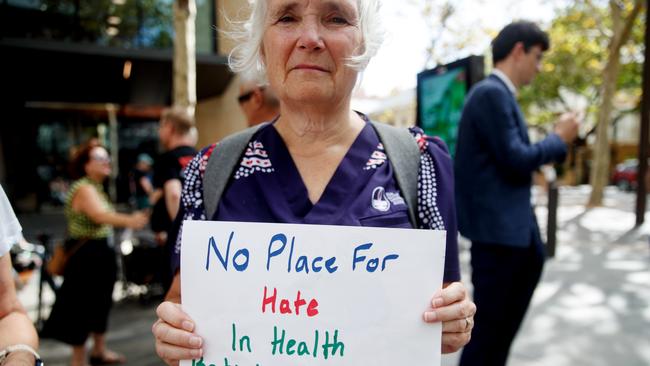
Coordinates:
174 335
452 307
138 220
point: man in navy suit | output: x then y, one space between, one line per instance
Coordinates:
494 164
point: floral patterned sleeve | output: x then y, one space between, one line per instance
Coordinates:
191 207
436 202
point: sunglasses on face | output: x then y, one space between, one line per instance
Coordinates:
246 96
101 159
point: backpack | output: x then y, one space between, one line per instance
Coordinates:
402 151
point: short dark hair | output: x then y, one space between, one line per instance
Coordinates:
522 31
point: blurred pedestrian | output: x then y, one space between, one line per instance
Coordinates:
178 138
18 338
141 179
84 300
257 100
494 165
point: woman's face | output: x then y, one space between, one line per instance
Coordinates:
99 164
305 47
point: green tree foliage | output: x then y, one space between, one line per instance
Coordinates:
596 53
127 23
580 35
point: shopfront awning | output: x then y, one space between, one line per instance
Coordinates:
33 70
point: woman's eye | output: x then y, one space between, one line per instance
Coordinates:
338 20
286 19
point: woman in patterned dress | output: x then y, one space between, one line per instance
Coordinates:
84 300
319 162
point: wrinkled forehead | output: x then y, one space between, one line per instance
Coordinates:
279 7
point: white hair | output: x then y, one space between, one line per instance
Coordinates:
246 57
252 79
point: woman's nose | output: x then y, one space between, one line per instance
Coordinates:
310 37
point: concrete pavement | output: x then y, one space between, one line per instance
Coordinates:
592 307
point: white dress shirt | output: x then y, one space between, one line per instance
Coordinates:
498 73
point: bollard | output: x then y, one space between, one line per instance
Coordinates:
44 277
551 226
44 239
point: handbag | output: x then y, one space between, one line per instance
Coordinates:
62 253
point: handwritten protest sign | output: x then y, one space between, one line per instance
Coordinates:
284 294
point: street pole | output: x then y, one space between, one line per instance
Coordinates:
550 176
551 224
111 110
641 189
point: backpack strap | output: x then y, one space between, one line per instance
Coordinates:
222 162
404 156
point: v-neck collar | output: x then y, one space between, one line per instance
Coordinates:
346 175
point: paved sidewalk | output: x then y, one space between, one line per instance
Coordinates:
592 307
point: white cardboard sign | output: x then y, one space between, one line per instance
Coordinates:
285 294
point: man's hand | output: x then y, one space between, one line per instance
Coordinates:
567 127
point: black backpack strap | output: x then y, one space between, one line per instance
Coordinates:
222 162
404 156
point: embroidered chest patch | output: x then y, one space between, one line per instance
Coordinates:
377 158
255 159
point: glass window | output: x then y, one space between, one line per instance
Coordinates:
206 34
115 23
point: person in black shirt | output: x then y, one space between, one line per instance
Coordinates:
141 185
177 137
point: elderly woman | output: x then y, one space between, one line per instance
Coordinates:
84 300
321 162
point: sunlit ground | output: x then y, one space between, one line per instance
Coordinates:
593 304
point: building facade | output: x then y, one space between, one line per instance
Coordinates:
78 69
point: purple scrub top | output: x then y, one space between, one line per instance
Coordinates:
267 187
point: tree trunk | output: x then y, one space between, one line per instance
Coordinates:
185 54
600 171
599 175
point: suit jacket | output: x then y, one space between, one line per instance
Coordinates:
494 163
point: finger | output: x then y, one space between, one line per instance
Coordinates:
165 333
453 293
452 342
458 325
174 315
172 354
458 310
